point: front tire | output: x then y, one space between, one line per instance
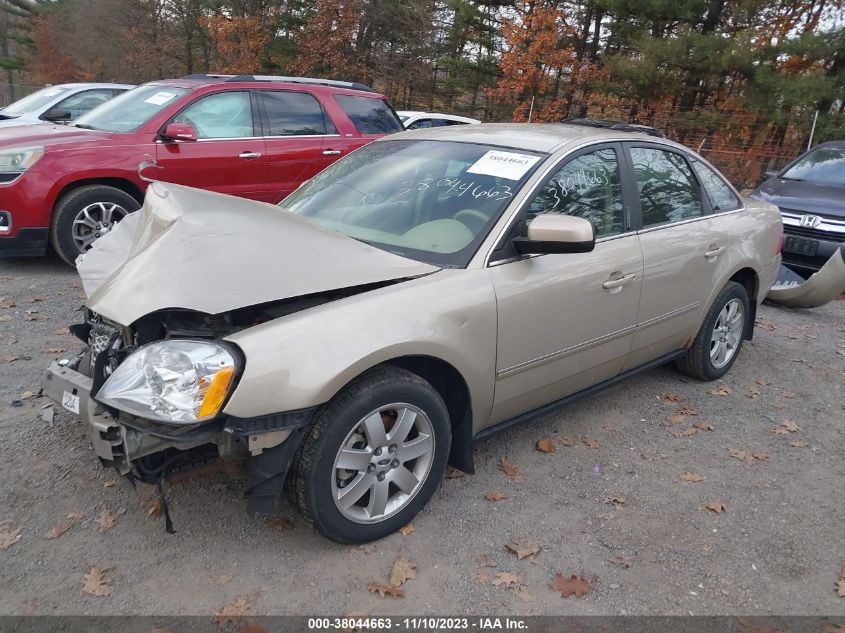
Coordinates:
373 457
719 340
85 214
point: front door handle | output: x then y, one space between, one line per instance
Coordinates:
714 251
615 282
249 155
331 152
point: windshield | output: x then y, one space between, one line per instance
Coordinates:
33 102
433 201
822 166
129 111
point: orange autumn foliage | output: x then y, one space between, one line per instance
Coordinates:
240 43
325 45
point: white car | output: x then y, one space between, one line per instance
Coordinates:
416 120
59 104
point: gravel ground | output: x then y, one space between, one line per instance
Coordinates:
777 548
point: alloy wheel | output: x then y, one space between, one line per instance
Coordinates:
382 463
727 333
94 221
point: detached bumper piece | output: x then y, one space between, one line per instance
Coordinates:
821 288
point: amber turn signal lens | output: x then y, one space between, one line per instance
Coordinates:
216 393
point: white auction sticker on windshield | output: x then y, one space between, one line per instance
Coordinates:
508 165
160 98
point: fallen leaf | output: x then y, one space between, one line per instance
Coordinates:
221 580
574 585
590 442
718 508
621 561
495 495
762 382
760 455
690 431
671 420
26 395
35 299
567 441
232 612
840 583
768 326
30 315
95 582
110 484
779 430
406 531
156 509
5 317
55 350
522 549
506 579
74 516
487 561
691 476
790 426
546 445
797 443
8 358
279 523
454 473
383 590
741 455
704 426
402 571
75 285
722 390
8 536
687 411
62 331
510 469
616 501
672 397
106 521
522 594
58 530
6 303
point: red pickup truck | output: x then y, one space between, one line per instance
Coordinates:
252 136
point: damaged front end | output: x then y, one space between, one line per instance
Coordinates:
150 412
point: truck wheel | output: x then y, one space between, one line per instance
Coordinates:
373 457
720 338
84 214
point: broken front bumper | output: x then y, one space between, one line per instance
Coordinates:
71 390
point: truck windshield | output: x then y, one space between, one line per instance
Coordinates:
131 110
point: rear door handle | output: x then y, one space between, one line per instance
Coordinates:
331 152
249 155
714 251
618 282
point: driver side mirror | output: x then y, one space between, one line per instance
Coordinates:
57 116
553 233
179 132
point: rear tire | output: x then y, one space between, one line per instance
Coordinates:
719 340
69 235
400 466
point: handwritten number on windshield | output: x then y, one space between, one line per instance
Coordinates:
457 188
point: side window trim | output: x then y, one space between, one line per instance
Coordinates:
706 208
549 173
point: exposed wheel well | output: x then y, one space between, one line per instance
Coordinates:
747 278
453 389
118 183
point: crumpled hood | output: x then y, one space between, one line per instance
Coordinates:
798 195
209 252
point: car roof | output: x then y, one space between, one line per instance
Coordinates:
538 137
836 144
90 85
199 80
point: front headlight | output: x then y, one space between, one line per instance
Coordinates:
175 381
14 162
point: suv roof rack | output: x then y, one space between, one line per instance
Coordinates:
616 125
352 85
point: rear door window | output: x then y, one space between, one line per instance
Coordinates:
668 189
292 114
722 197
370 115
